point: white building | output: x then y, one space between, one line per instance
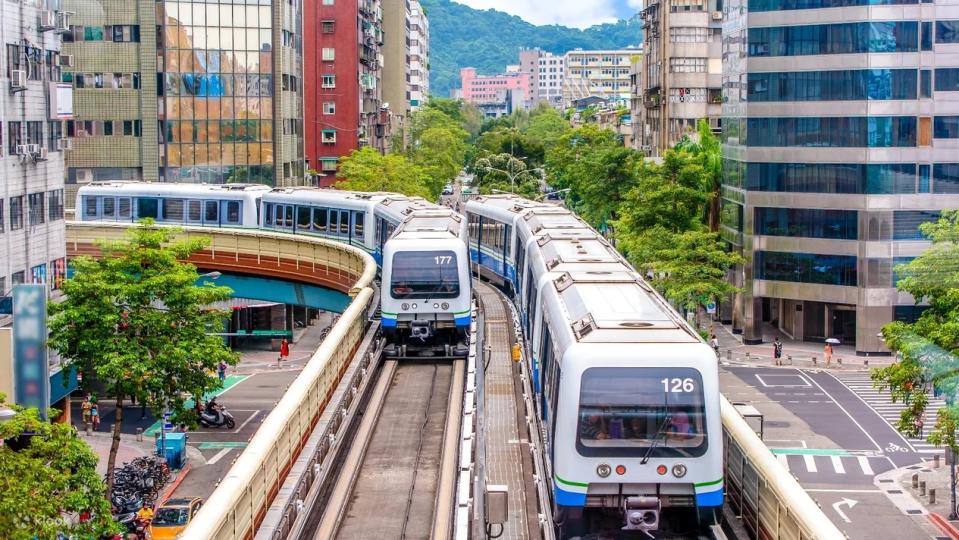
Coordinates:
604 74
546 72
33 105
419 55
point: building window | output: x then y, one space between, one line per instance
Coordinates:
688 34
947 31
328 136
925 83
55 134
925 36
329 54
687 65
840 132
687 95
842 38
55 204
780 5
18 278
37 215
327 27
836 85
3 225
827 177
808 223
905 223
329 107
946 127
329 81
947 80
327 2
16 213
328 164
806 268
15 136
35 133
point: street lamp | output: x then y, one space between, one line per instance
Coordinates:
6 415
210 275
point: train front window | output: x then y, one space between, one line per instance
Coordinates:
424 274
640 412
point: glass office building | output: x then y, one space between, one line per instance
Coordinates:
841 137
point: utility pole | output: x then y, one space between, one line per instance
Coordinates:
951 460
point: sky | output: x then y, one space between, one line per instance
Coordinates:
574 13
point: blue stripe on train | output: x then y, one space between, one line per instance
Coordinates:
386 322
568 498
711 498
464 320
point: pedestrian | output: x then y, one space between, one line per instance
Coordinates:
714 343
827 353
778 350
85 408
919 426
284 349
221 371
95 416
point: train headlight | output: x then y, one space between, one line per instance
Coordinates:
405 306
445 305
603 470
661 470
679 470
620 470
436 305
414 306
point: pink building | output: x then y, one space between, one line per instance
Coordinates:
490 88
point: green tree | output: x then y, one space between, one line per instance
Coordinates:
440 152
512 141
928 347
669 195
503 172
135 320
48 477
706 146
368 170
546 125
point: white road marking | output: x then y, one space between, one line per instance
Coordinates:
810 463
837 464
219 455
247 421
827 490
782 459
843 409
864 464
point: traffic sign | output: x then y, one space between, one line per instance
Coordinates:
711 307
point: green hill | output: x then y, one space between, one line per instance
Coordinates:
488 40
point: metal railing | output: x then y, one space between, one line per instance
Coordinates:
243 496
769 501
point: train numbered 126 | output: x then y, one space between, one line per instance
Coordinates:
421 247
626 391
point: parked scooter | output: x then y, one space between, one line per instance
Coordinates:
134 524
216 415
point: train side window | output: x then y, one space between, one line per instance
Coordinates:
474 228
303 217
545 366
530 307
173 210
344 222
288 216
148 208
211 214
508 242
123 207
358 221
267 214
231 212
520 262
194 211
109 207
319 219
90 207
334 222
257 205
378 238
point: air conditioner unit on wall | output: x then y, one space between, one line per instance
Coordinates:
64 144
84 176
48 20
18 80
33 149
717 15
66 60
42 155
63 22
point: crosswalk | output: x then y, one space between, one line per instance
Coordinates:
881 402
864 466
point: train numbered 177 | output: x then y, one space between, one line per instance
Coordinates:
626 391
426 294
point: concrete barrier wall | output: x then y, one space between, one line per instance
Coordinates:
769 500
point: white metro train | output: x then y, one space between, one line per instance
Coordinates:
420 246
627 392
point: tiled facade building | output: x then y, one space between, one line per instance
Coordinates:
396 60
185 91
343 82
604 74
33 107
841 131
547 72
681 79
491 88
419 55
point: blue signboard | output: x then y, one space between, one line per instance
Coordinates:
30 366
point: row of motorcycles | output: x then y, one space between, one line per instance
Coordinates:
137 485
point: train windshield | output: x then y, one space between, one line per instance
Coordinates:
424 274
641 412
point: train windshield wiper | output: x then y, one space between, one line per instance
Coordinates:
659 432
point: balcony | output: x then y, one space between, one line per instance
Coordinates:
652 100
368 56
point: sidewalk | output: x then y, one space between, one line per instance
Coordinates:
913 500
732 350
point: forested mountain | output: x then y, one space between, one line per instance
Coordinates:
461 36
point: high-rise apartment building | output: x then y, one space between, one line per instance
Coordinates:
841 131
33 107
490 88
419 55
602 74
396 60
546 72
682 71
343 81
182 91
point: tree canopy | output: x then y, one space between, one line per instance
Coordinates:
368 170
135 320
503 172
929 346
48 477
